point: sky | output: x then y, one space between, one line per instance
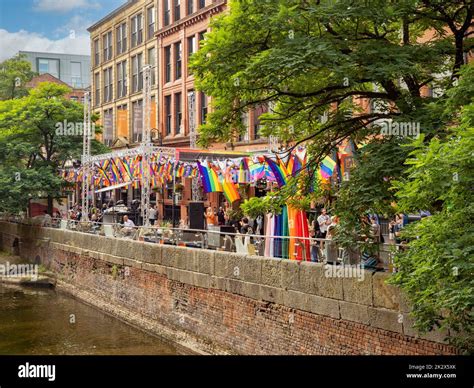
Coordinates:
56 26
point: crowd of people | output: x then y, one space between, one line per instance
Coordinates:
322 228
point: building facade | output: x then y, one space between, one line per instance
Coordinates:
74 95
163 34
72 69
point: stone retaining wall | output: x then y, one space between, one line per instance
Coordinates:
220 302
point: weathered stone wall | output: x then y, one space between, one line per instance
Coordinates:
220 302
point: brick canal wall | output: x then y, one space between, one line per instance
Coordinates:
218 302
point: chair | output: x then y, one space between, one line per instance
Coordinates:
109 231
240 247
251 249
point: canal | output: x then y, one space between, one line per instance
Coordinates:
36 321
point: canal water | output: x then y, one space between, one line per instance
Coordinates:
35 321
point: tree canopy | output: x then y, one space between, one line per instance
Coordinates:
32 149
14 74
333 71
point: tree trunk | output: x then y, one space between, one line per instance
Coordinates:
50 205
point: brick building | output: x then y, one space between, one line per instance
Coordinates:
162 33
74 94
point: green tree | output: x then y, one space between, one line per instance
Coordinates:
309 59
436 271
33 146
14 74
316 63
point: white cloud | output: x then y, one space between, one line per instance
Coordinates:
63 5
12 42
78 24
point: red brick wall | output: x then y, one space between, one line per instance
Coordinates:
234 322
188 293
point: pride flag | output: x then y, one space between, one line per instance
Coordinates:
327 167
243 171
230 190
210 181
278 171
294 165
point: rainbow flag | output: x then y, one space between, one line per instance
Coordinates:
278 171
209 179
257 171
294 165
126 168
230 190
327 167
243 171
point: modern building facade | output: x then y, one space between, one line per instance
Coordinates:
72 69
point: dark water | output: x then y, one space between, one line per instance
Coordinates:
38 321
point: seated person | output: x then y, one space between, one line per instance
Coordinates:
128 225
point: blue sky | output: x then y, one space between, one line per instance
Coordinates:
49 25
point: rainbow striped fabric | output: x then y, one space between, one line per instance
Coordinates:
327 167
209 178
278 171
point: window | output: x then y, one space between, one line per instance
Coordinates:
108 84
97 89
177 10
137 73
191 45
259 110
76 77
201 37
151 22
190 7
122 79
244 136
50 66
152 63
137 29
121 33
177 60
74 98
203 108
107 43
137 111
96 53
166 12
168 115
108 127
178 113
168 64
201 3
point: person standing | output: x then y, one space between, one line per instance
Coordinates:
152 215
324 221
210 217
375 230
245 228
314 232
221 216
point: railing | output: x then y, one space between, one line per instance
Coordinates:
320 250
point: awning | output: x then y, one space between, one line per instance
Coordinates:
113 187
